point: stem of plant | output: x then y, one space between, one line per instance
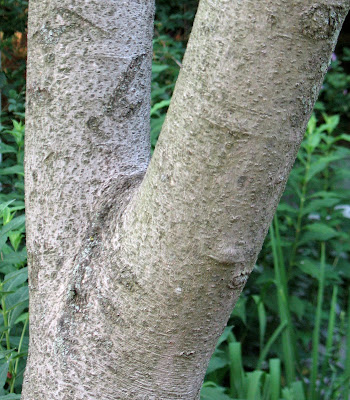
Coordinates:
313 394
301 208
287 337
18 352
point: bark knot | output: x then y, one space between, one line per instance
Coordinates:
321 21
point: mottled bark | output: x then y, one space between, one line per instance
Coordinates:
132 280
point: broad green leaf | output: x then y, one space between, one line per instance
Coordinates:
212 393
16 257
15 239
14 224
22 318
331 123
297 306
17 298
5 148
313 141
3 206
4 367
217 361
311 126
321 164
240 309
5 353
225 334
15 279
312 268
318 231
309 267
284 207
16 169
320 204
11 396
156 69
17 312
15 340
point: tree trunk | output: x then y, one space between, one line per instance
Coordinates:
133 278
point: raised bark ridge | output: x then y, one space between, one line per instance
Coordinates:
132 284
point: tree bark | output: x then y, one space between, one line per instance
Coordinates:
133 278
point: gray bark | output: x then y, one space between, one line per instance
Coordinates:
133 278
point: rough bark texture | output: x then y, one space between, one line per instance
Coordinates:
132 283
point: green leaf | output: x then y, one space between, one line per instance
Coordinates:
15 239
262 319
218 360
16 257
15 279
253 385
3 374
158 106
284 207
212 393
5 148
309 267
321 164
297 306
240 309
14 224
225 334
15 340
331 123
298 390
320 204
22 318
17 298
3 206
5 353
343 136
275 374
16 169
319 231
11 396
311 126
156 69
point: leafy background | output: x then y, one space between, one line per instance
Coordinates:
289 336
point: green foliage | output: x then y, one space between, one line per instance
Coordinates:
13 271
13 16
335 93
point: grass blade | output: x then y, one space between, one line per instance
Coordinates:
347 358
270 342
236 370
283 309
330 330
313 394
275 373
